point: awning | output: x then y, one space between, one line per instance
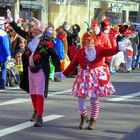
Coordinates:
31 6
4 4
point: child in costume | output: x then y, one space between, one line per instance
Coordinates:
93 79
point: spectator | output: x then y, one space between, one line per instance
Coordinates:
5 54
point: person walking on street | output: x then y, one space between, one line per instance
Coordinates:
5 54
36 67
93 79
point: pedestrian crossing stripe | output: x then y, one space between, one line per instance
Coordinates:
25 125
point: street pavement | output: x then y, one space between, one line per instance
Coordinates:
119 117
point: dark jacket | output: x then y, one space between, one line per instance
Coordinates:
43 61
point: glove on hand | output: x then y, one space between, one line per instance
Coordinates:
60 75
9 16
121 46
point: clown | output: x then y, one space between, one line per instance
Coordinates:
93 79
101 37
36 67
125 35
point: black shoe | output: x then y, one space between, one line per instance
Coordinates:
92 124
39 122
84 122
34 117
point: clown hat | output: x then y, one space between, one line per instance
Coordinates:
38 25
105 24
21 20
128 32
122 28
94 24
106 21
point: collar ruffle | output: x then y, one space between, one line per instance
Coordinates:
90 54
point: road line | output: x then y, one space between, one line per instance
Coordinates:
60 92
121 98
15 101
22 100
25 125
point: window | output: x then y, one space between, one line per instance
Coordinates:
58 1
78 2
71 2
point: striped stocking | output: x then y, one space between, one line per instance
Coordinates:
82 106
95 106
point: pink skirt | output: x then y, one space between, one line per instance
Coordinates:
37 82
93 83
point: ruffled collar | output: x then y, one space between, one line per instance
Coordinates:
90 53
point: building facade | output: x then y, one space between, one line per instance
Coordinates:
73 11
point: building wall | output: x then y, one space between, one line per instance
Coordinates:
71 14
46 11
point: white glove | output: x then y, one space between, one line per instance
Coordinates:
9 16
60 75
121 46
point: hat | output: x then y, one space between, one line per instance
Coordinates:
122 28
76 27
105 24
106 21
38 25
21 20
94 24
2 20
127 32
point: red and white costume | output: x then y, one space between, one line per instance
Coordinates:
93 79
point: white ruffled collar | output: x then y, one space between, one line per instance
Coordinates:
90 53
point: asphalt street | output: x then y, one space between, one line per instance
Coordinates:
119 117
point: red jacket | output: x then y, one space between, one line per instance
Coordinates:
104 40
80 58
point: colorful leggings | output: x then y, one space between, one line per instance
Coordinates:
94 107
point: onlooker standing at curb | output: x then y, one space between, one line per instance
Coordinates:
5 54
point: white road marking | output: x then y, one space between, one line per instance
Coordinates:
15 101
121 98
25 125
115 99
22 100
60 92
